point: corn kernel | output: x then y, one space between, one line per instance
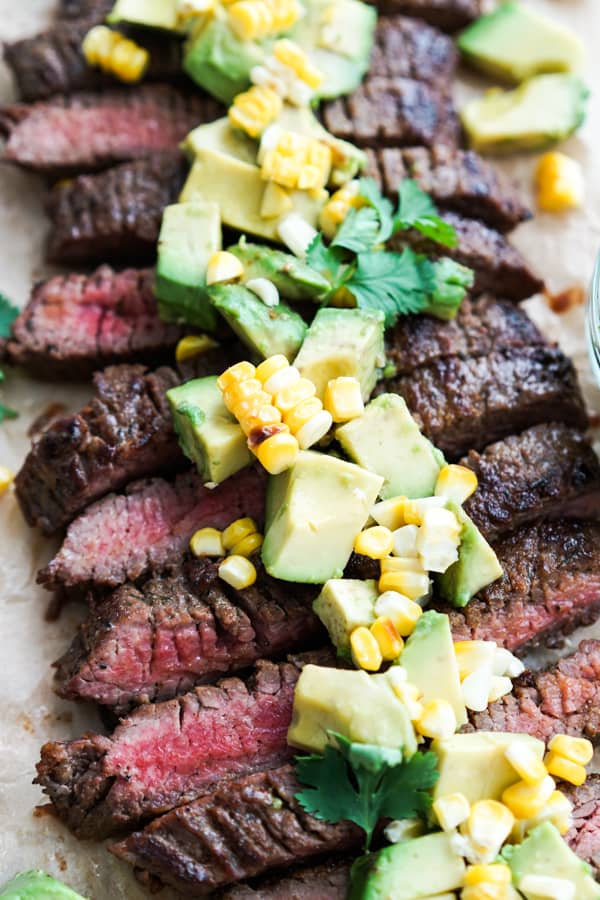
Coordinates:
282 379
302 413
401 564
277 453
296 233
438 720
451 810
6 479
499 687
255 109
248 545
405 541
194 345
563 768
314 430
559 182
438 539
406 692
256 419
473 655
241 395
557 810
403 611
375 542
506 663
343 399
412 584
496 873
294 160
486 891
403 830
390 642
265 290
456 483
271 366
365 649
488 826
237 531
290 54
291 396
526 764
398 511
223 267
475 689
578 750
115 53
548 887
207 542
527 800
237 571
250 20
237 373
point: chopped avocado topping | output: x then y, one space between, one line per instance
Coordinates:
516 42
343 605
342 342
266 330
208 433
542 111
151 13
476 567
430 662
292 277
220 137
219 61
36 885
189 235
387 440
314 511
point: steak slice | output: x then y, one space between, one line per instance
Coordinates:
123 536
584 836
449 15
393 112
114 214
76 9
407 48
167 753
458 180
550 586
76 324
179 630
547 471
328 881
468 403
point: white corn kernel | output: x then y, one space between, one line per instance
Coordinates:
476 688
237 571
282 379
296 233
265 290
488 826
474 655
207 542
499 687
547 887
506 663
313 430
403 611
451 810
438 720
403 830
405 540
223 267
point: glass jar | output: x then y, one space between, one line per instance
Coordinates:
593 321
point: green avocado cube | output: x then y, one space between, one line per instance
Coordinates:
314 511
476 567
293 278
219 61
151 13
343 605
36 885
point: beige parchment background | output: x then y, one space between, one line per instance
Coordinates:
561 247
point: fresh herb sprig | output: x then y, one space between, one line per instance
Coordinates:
362 783
8 314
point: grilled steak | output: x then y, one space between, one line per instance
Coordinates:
76 324
393 112
406 48
458 180
100 547
450 15
77 9
329 880
115 214
166 753
547 471
468 403
550 586
584 836
180 630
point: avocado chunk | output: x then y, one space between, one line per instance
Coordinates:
219 61
208 433
544 852
430 662
151 13
342 342
412 870
189 235
343 605
515 42
364 708
387 440
314 511
475 765
540 112
266 330
293 278
36 885
476 567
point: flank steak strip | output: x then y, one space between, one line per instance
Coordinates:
449 15
584 836
407 48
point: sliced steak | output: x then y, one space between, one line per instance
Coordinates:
329 881
167 753
449 15
393 112
550 586
76 324
584 836
547 471
468 403
407 48
114 214
180 630
482 326
123 536
458 180
78 9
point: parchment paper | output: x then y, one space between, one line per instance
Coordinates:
561 247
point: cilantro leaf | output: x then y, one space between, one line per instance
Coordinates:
368 189
417 210
8 314
359 230
390 282
7 413
447 283
326 260
361 783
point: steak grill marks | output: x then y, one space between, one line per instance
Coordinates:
449 15
406 48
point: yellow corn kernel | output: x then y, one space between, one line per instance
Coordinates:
291 396
438 539
492 873
375 542
295 161
526 800
271 366
248 545
578 750
98 44
343 399
472 655
237 571
291 55
207 542
401 564
500 685
250 19
406 692
6 479
559 182
256 418
245 392
390 642
403 611
277 453
451 810
302 413
412 584
236 373
487 891
312 431
193 345
255 109
115 53
438 720
526 764
237 531
557 810
283 379
456 483
563 768
365 649
223 267
488 826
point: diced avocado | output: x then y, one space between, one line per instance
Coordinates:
476 567
220 137
208 433
266 330
217 60
412 870
36 885
189 235
364 708
537 114
387 440
343 605
314 511
430 662
545 852
515 42
475 765
293 278
151 13
342 342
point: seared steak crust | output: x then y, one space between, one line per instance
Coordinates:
584 836
449 15
407 48
76 9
